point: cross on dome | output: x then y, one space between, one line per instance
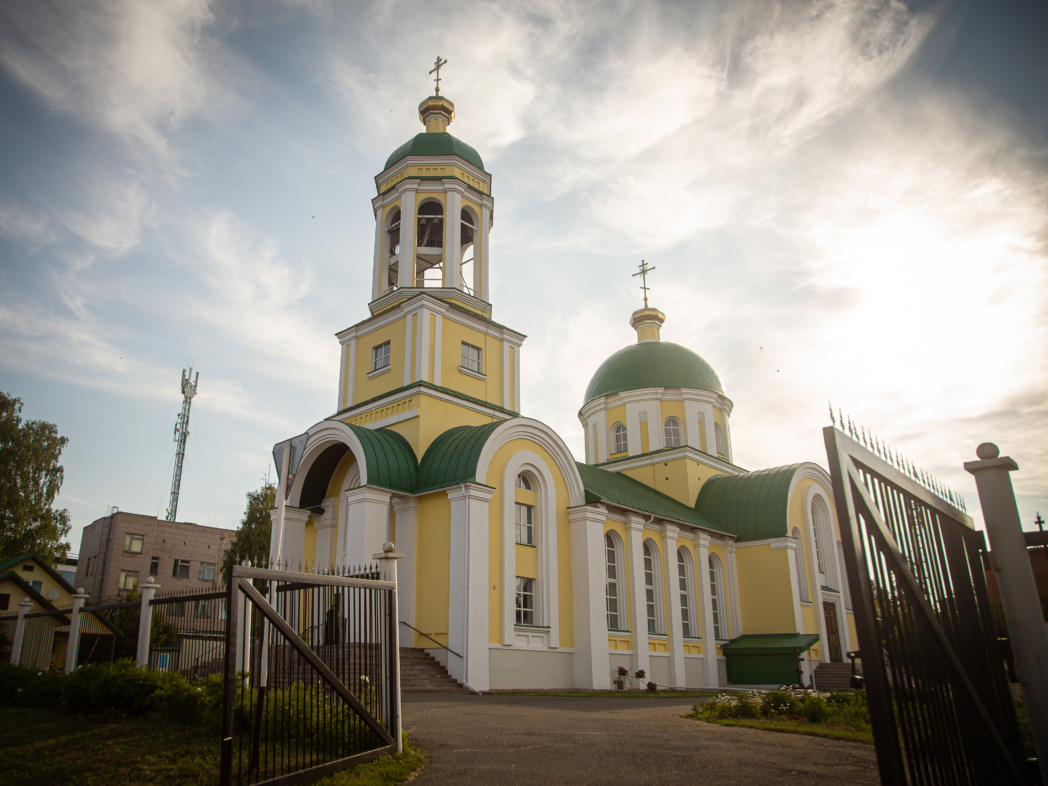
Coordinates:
643 273
436 69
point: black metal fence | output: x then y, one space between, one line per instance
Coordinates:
312 675
188 632
939 698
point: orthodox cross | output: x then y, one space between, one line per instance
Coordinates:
436 69
644 270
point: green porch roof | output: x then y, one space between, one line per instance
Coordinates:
435 144
391 462
652 364
452 457
753 505
618 489
770 643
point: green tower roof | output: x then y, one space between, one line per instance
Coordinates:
435 144
652 364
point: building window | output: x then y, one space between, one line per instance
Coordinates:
202 609
27 568
221 608
525 524
524 483
133 543
176 610
472 358
128 579
611 585
671 433
380 356
180 570
717 596
652 588
37 586
207 571
5 601
718 434
802 568
154 566
525 601
618 438
689 624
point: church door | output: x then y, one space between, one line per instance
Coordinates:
833 635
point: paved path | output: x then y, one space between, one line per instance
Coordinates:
537 740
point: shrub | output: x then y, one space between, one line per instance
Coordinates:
22 686
779 702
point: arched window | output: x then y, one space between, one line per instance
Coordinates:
671 433
685 582
720 627
524 483
618 438
844 577
469 248
653 588
431 225
822 526
802 570
524 514
393 243
718 435
613 589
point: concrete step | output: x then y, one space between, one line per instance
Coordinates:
833 676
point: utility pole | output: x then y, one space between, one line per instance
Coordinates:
189 389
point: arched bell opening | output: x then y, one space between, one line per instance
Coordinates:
468 243
429 255
392 256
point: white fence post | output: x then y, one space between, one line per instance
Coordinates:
1022 606
145 622
16 646
74 630
388 559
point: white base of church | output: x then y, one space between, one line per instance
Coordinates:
512 669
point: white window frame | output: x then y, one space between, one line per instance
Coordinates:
200 606
688 596
678 440
619 430
472 359
130 542
380 356
718 599
524 483
202 573
802 569
524 584
176 567
614 588
127 576
525 524
656 617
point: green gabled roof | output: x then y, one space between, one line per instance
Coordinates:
429 385
768 643
452 457
390 461
753 505
435 144
622 490
652 364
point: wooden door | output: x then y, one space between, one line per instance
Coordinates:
833 635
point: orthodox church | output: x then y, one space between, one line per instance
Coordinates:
522 567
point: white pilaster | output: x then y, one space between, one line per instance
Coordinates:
367 514
145 621
407 349
732 579
351 371
422 345
516 380
589 605
294 533
468 585
638 602
727 436
480 266
633 410
406 268
343 353
507 393
438 342
599 424
709 638
693 417
326 525
675 628
406 509
453 239
377 285
75 624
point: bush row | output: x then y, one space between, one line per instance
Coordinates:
844 708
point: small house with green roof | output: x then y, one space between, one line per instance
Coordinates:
526 566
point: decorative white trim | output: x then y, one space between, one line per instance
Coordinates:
686 451
507 398
516 378
445 161
351 376
422 346
378 372
542 435
407 349
342 352
411 413
468 584
438 339
471 373
322 435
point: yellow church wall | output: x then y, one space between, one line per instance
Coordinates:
564 579
437 416
409 429
309 546
433 541
453 335
672 478
761 567
645 442
364 388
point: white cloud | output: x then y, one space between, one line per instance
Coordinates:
29 228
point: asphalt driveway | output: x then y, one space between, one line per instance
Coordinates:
507 739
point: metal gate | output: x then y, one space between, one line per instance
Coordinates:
312 680
939 698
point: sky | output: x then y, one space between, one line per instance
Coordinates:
844 201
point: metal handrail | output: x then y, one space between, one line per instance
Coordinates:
420 633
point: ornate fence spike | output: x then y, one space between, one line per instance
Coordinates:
833 420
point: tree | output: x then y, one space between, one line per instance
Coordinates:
251 540
30 478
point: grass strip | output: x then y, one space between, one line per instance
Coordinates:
795 727
608 694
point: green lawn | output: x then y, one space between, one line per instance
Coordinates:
798 727
609 694
47 747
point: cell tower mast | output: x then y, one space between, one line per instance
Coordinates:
189 389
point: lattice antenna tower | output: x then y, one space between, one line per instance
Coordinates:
189 389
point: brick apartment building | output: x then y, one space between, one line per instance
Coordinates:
121 550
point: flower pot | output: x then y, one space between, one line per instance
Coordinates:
652 687
639 674
623 671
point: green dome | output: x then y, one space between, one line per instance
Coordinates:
652 364
435 144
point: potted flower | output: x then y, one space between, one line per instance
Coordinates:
639 673
623 671
652 687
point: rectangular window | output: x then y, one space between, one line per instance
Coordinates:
380 356
37 585
525 601
472 358
685 597
649 590
133 543
5 602
203 609
128 579
180 569
207 571
221 608
28 568
611 586
154 566
176 610
714 587
526 524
